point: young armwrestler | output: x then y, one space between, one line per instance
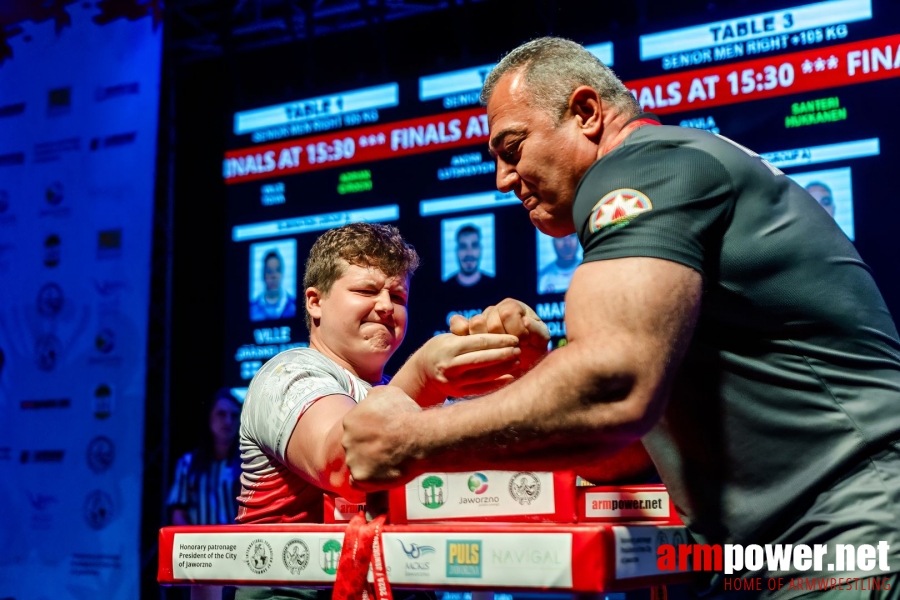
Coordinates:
357 285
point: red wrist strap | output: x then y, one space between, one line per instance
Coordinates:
362 546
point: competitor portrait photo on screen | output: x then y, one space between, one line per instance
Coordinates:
467 248
273 281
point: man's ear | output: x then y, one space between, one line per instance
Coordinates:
314 303
587 108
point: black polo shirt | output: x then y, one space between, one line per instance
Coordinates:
793 372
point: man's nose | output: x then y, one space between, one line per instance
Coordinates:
506 177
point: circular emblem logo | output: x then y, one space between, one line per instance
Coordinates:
50 300
478 483
295 556
618 207
259 556
98 509
100 454
105 340
47 351
54 193
524 487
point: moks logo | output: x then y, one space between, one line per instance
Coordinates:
464 558
416 566
416 551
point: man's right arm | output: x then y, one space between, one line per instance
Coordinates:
314 449
630 321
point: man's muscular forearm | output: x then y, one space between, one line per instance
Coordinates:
541 422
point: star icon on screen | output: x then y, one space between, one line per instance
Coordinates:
807 66
833 62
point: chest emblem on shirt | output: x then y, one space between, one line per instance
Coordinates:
618 208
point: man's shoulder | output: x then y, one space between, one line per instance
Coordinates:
292 364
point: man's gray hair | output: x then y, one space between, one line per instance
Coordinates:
553 68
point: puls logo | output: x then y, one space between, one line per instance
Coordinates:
433 490
329 554
259 556
464 558
524 487
295 556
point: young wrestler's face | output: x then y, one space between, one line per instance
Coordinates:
361 321
537 159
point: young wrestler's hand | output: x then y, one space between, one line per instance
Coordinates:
512 317
451 365
375 439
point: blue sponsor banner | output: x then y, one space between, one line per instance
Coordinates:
77 164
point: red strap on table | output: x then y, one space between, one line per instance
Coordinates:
362 547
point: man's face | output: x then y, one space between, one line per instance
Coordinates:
566 247
468 252
272 274
224 421
823 196
540 161
362 319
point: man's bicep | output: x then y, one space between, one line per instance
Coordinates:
636 315
309 450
